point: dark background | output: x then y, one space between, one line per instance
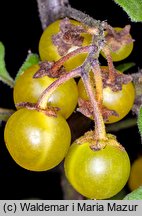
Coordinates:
20 31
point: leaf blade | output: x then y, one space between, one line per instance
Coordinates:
125 66
139 122
133 8
134 195
30 60
4 75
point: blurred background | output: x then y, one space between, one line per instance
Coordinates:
20 31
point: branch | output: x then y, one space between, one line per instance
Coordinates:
51 10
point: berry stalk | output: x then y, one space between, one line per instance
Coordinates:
51 10
100 132
58 64
42 101
98 81
106 51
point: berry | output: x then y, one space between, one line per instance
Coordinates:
36 141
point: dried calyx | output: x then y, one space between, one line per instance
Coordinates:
49 111
68 36
96 144
118 79
46 70
116 39
85 107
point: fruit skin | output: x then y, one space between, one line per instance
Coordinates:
48 51
120 101
123 52
28 89
97 174
135 179
36 141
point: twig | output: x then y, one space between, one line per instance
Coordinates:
51 10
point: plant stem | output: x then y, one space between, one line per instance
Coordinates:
62 60
106 51
93 53
100 132
90 63
42 101
99 84
83 18
51 10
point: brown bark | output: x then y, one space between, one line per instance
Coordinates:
51 10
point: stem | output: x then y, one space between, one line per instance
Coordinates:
62 60
42 101
91 62
51 10
100 132
83 71
98 81
110 28
106 51
84 18
122 125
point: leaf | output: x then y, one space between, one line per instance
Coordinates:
5 114
133 8
4 75
139 122
125 66
30 60
134 195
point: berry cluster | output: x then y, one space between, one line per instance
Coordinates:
46 94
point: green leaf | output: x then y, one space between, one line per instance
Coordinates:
133 8
125 66
139 122
4 75
134 195
30 60
5 114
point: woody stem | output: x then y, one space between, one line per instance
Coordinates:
51 10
